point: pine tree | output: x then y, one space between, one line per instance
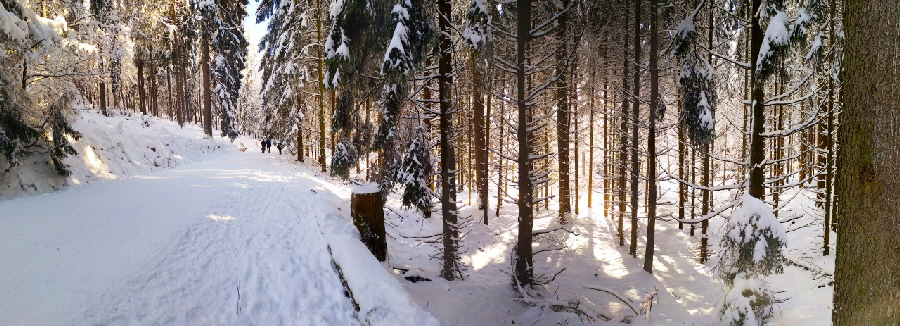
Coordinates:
404 55
230 49
358 31
286 65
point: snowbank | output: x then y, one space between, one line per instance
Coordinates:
112 147
381 298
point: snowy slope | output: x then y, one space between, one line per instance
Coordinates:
112 147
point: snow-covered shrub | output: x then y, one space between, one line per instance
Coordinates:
749 303
751 250
753 242
345 156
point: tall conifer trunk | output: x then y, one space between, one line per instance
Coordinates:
867 266
321 85
757 143
651 140
207 97
140 84
450 268
635 122
623 134
562 118
524 267
480 134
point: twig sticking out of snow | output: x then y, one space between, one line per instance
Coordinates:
617 297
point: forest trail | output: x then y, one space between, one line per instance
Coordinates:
226 241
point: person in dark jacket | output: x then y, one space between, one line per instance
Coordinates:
263 145
268 145
280 146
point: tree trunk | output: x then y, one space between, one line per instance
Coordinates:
707 176
140 85
207 97
524 267
590 176
367 210
180 107
103 99
829 208
651 140
757 142
321 85
170 103
867 266
573 111
562 121
623 135
450 268
480 134
682 187
487 155
635 122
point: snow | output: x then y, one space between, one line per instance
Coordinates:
739 308
12 25
776 36
706 117
398 40
814 47
230 239
801 22
343 49
336 7
366 188
686 292
478 21
757 213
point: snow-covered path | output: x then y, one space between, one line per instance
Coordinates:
234 240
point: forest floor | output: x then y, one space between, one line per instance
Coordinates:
244 238
599 283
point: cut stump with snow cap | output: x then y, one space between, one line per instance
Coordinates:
367 210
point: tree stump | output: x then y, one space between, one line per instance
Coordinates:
367 210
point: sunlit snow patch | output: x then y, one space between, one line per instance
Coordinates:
220 218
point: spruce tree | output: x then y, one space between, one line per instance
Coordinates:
223 27
357 34
414 174
696 83
287 50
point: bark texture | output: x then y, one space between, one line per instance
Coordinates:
450 269
867 267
